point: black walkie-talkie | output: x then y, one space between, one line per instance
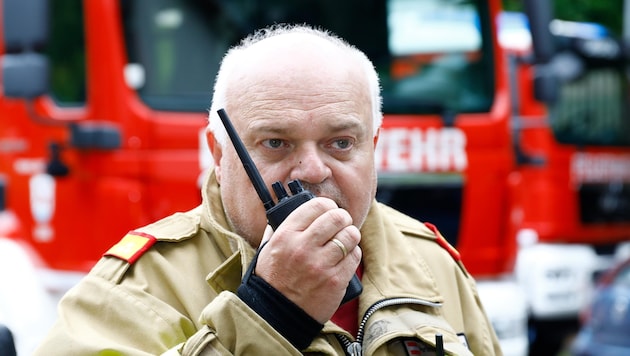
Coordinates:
277 212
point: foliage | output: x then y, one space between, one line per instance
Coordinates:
607 12
66 51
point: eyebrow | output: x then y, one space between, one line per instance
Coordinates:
283 129
259 126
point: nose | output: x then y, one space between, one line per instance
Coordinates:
310 166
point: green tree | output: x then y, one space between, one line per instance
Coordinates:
607 12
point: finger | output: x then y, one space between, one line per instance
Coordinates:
329 224
346 240
342 248
302 217
267 234
351 262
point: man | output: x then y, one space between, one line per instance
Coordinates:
307 107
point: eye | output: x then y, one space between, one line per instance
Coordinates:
342 143
273 143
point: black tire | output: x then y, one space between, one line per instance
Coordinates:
7 346
551 337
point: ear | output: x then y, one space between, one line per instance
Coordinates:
378 131
217 153
210 139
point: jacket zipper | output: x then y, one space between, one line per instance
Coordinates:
355 348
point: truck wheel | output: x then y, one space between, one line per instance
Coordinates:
7 346
551 337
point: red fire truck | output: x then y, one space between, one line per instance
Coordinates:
102 115
570 193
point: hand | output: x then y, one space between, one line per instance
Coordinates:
303 263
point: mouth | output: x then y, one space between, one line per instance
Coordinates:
326 191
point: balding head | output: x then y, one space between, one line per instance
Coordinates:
291 57
306 106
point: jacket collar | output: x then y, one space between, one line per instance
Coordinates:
391 268
237 250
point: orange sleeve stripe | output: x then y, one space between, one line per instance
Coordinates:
131 246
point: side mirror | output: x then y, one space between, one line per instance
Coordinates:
25 25
25 70
25 75
540 14
546 84
549 78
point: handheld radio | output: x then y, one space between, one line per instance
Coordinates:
277 212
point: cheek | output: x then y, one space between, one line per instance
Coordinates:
359 188
365 174
242 205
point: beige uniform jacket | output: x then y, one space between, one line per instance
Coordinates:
177 296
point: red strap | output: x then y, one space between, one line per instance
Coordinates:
442 242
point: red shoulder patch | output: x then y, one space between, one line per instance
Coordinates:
131 246
442 242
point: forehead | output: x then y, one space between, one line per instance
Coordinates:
294 60
299 75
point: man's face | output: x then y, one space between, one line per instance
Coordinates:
302 114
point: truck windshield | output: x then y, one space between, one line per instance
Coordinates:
431 55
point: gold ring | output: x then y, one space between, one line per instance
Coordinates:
341 246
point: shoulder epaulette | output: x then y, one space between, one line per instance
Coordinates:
425 230
443 243
131 246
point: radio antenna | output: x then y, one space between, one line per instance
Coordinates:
248 162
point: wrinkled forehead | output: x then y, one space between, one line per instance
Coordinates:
298 72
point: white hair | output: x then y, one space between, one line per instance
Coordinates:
233 55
